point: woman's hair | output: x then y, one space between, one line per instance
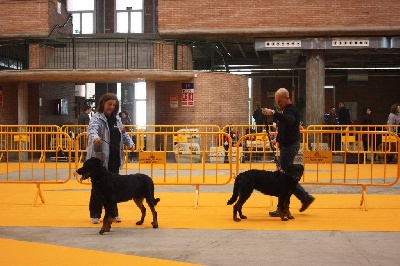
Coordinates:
393 108
106 97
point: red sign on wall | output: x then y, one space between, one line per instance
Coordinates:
187 94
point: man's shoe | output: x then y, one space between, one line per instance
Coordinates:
307 203
95 220
117 219
274 213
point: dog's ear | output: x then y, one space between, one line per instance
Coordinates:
98 161
92 159
295 171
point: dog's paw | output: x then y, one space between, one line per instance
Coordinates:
243 217
101 231
236 219
284 219
154 224
139 222
290 217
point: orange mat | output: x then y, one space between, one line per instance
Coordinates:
340 212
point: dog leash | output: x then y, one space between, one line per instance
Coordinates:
272 146
112 146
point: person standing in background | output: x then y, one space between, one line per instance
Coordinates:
334 138
367 120
259 118
125 119
106 139
344 116
84 118
394 117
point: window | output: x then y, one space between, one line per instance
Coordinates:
135 102
129 16
83 16
140 103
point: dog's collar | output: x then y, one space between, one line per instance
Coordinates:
281 170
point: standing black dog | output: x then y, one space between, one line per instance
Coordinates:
275 183
113 188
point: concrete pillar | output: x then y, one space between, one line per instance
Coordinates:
150 103
22 103
150 107
23 116
301 94
315 83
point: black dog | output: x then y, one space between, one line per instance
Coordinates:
278 183
113 188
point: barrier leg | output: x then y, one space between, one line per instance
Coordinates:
81 158
38 193
196 200
363 201
42 158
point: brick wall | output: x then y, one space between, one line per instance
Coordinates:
164 56
31 18
275 17
54 18
219 99
50 94
9 111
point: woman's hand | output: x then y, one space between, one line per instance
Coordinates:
97 141
133 147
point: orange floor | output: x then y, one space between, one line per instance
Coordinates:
340 212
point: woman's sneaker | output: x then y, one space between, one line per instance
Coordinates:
95 220
117 219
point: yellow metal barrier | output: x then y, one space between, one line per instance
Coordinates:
195 155
344 167
22 150
187 157
26 128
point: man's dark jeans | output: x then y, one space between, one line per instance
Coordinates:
287 155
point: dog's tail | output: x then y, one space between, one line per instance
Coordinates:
235 193
156 200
